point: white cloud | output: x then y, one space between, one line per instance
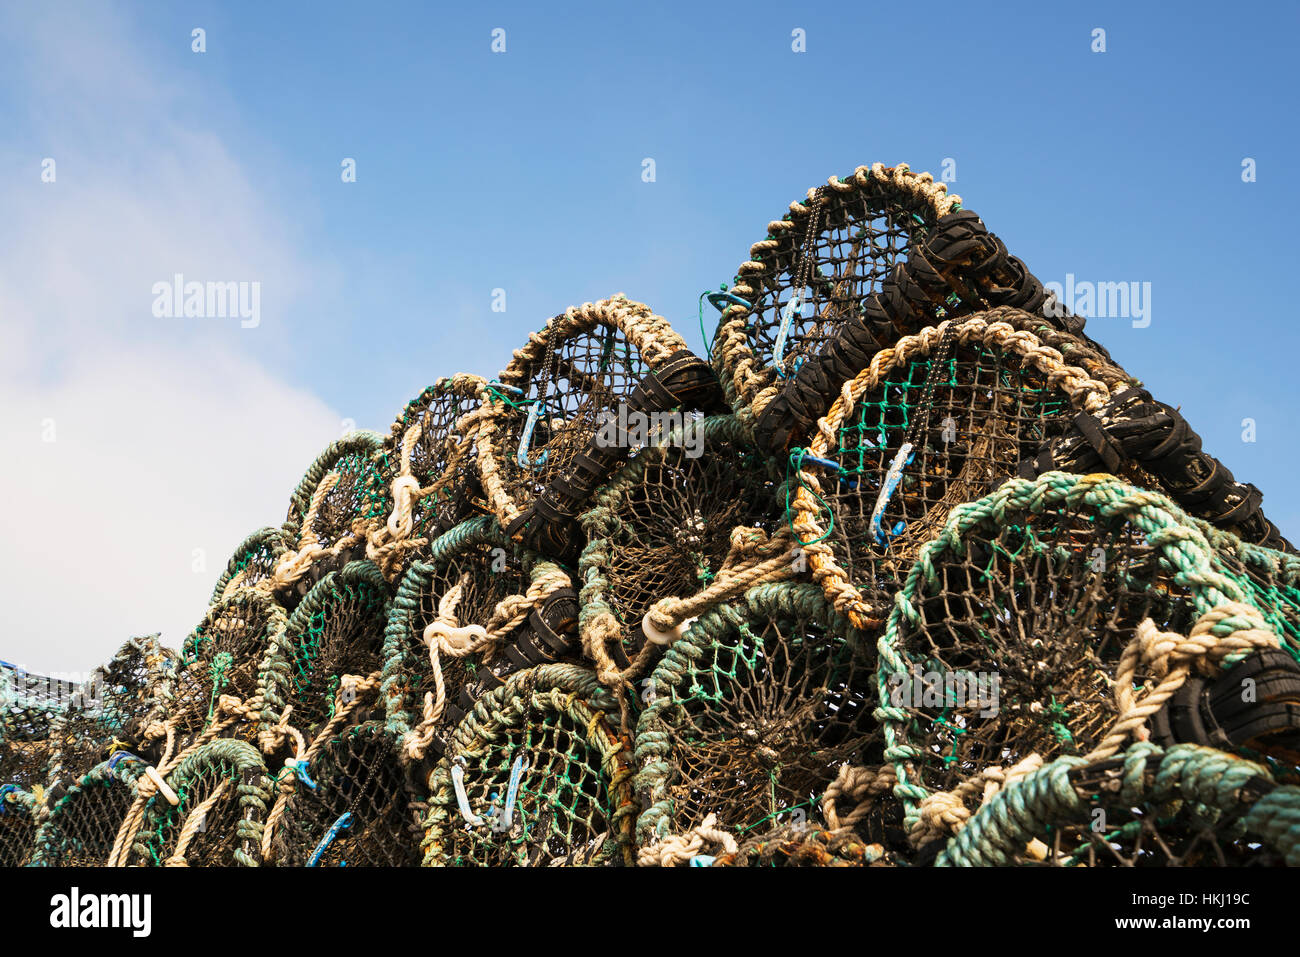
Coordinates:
170 434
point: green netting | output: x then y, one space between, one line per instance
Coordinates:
544 736
336 630
1005 639
360 491
986 411
750 716
224 794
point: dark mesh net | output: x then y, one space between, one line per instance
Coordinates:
442 458
222 657
84 823
662 526
483 568
1007 635
253 561
17 825
360 811
932 431
547 407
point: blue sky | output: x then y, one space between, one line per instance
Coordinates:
522 170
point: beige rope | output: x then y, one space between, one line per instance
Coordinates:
359 689
857 783
945 812
677 849
1171 658
192 825
446 636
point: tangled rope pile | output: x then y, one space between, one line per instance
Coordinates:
852 592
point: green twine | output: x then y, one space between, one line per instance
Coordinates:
796 463
221 662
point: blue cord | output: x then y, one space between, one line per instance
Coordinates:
328 839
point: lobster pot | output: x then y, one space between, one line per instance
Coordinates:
109 707
361 811
342 492
1186 806
84 823
940 419
662 526
24 762
336 630
543 420
749 716
253 563
221 657
811 273
544 778
223 793
1006 637
474 576
17 825
432 443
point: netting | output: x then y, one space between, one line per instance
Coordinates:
749 718
354 807
462 621
430 454
940 419
1024 627
543 418
216 682
662 526
918 576
813 271
84 823
18 810
108 711
336 630
535 777
253 562
221 795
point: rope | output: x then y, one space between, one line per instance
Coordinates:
1225 632
677 849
